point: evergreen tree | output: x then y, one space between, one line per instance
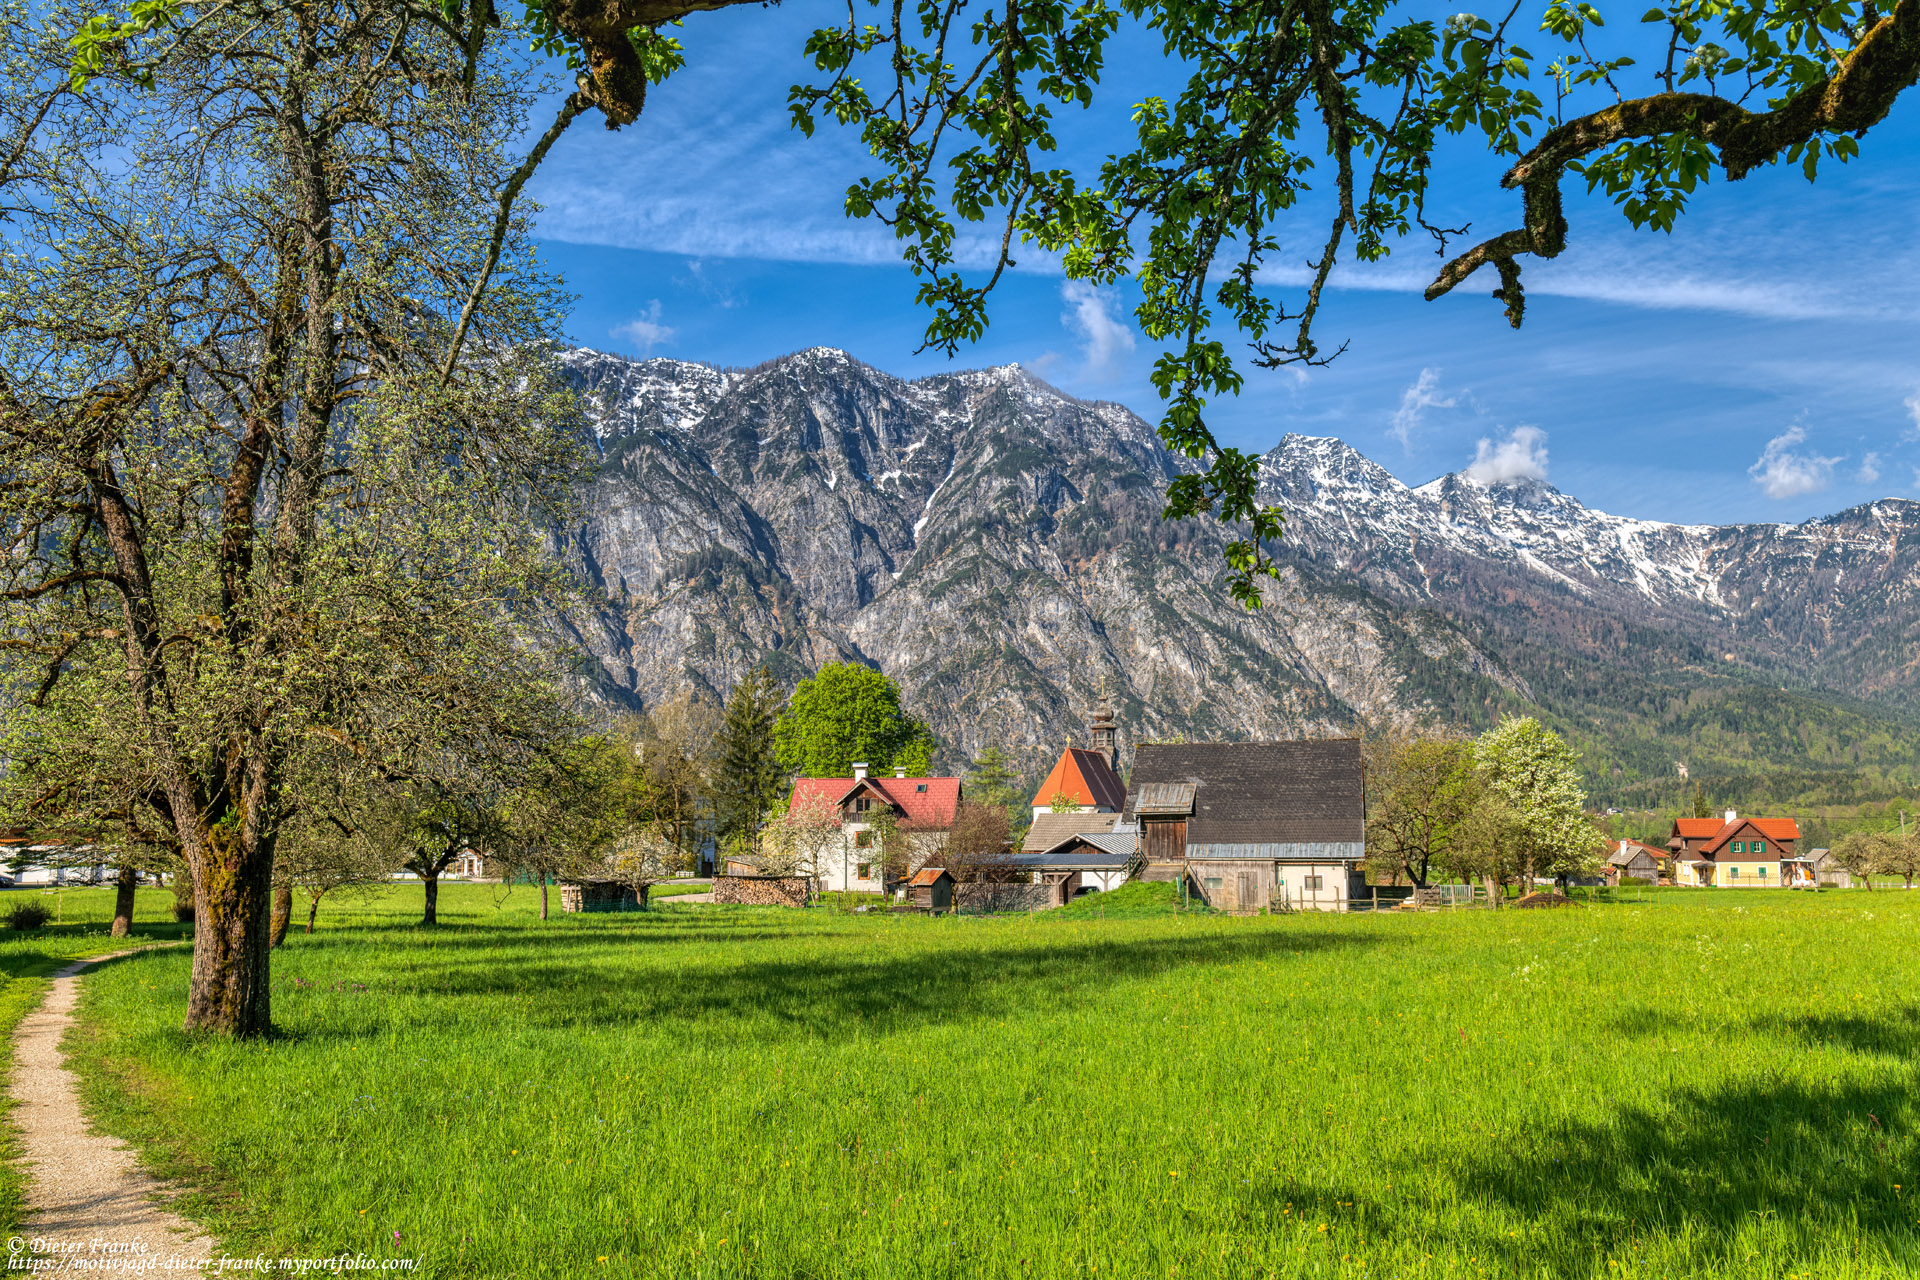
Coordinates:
746 767
992 781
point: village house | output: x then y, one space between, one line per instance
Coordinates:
1252 825
1736 853
922 808
1629 859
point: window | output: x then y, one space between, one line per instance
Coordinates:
1758 846
1762 873
1213 882
1739 846
921 787
863 839
862 804
864 871
1312 883
1733 873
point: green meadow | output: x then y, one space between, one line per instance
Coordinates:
1706 1084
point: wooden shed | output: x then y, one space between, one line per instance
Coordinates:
932 889
599 895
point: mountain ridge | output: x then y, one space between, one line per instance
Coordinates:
995 544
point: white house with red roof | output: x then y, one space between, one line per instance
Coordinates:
1734 852
923 808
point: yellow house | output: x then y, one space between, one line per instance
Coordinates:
1744 853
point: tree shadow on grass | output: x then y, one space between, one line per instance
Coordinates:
1896 1035
1812 1165
846 993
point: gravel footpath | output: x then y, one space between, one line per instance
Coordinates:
87 1190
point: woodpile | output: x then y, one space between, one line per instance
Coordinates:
761 891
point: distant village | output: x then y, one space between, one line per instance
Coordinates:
1239 827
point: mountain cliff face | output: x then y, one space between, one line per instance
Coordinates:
996 546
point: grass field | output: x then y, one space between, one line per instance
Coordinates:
1714 1084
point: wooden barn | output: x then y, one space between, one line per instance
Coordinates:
1253 825
932 889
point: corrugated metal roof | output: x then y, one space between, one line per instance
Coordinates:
1162 797
1079 860
1049 829
927 876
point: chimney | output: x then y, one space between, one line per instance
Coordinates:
859 770
1733 815
899 771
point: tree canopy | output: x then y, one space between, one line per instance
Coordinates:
847 714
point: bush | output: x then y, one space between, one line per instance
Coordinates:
1629 882
27 915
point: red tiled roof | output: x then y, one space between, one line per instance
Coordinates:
1086 778
1776 829
927 876
1698 828
930 809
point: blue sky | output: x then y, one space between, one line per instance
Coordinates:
1762 363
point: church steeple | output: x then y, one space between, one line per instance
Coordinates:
1103 731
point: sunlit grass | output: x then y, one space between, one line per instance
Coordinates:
1713 1084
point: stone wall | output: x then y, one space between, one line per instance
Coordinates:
761 891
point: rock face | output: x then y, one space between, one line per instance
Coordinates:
996 546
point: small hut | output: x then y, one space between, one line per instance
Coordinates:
599 895
932 889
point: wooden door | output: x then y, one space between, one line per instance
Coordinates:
1247 892
1166 839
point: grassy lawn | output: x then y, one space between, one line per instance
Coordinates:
1715 1083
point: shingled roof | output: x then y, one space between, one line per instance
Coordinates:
1261 792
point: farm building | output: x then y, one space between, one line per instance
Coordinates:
932 889
1253 824
1629 859
1083 862
1737 853
922 808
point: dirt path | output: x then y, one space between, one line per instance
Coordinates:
85 1187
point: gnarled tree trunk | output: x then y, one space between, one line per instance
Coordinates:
232 937
431 878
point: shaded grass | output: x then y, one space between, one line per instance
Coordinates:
1712 1085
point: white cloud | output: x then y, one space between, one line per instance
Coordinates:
1423 395
645 331
1913 411
1105 337
1869 472
1785 473
1521 456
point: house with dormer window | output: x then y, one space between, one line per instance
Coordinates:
922 808
1736 853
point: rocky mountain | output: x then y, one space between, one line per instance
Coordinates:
996 546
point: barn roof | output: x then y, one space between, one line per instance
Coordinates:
927 876
924 803
1084 777
1307 792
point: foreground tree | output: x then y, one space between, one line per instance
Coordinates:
257 503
